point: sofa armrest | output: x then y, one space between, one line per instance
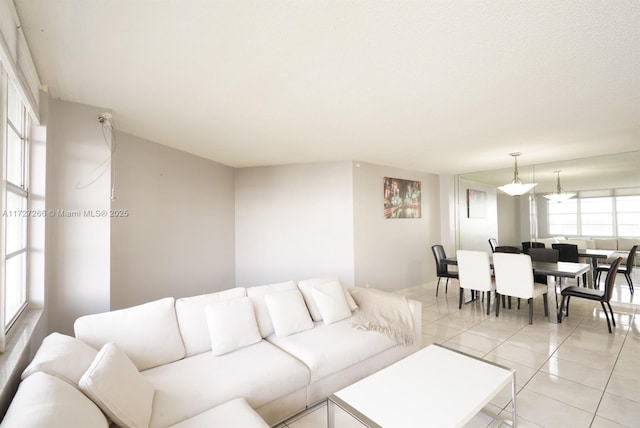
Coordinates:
416 310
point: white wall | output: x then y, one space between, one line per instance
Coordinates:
77 248
294 222
178 237
393 253
474 233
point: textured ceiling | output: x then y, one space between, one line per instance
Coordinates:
437 86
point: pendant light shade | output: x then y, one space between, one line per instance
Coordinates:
559 195
516 187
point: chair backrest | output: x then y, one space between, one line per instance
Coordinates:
567 252
493 243
631 258
609 282
514 274
526 246
544 255
439 255
507 249
474 270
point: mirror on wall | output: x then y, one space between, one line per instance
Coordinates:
520 218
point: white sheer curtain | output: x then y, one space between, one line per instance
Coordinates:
3 195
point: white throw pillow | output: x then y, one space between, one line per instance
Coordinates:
257 295
193 322
62 356
232 325
114 383
288 312
307 285
331 302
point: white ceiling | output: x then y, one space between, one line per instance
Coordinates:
438 86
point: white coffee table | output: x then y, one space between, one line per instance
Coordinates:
434 387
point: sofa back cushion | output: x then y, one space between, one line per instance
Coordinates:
232 325
606 244
625 244
43 400
257 296
147 333
62 356
192 320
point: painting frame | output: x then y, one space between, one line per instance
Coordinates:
402 198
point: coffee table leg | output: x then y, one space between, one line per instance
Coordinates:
331 414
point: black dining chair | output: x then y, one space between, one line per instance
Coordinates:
493 243
569 253
626 270
602 296
507 249
442 268
526 246
543 255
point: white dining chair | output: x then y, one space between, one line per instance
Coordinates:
474 273
514 277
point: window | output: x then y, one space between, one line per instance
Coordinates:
16 210
563 217
628 213
598 216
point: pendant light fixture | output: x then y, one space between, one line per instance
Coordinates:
516 187
559 195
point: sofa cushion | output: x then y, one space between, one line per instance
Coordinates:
192 321
625 244
327 349
45 401
307 285
62 356
261 373
116 386
331 302
257 295
234 413
232 325
606 244
288 312
147 333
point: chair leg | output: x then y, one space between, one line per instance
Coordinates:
606 316
530 310
498 303
629 281
612 317
446 287
438 286
488 302
546 305
461 298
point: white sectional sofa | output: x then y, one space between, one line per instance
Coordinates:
246 357
621 246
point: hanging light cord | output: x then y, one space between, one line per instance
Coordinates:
109 135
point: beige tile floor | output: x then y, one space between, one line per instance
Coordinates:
573 374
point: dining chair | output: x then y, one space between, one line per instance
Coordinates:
626 270
442 268
526 246
569 253
474 271
514 277
507 249
602 296
549 255
493 243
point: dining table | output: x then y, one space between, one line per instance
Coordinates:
593 256
553 270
